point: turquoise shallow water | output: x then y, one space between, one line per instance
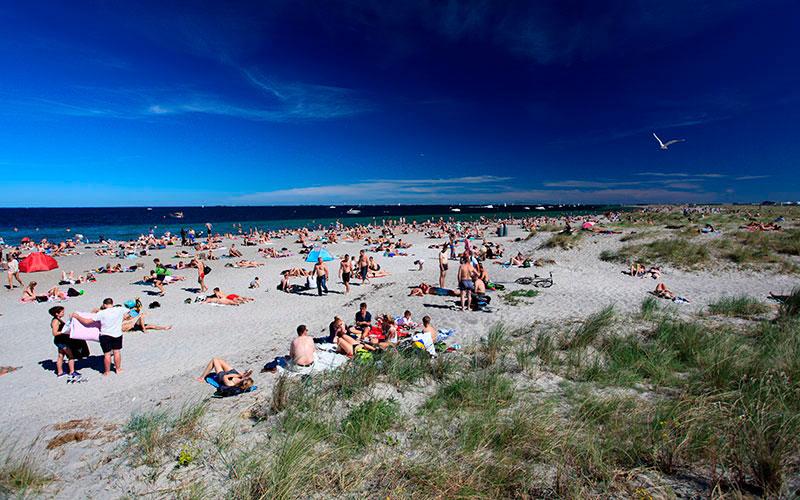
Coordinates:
57 224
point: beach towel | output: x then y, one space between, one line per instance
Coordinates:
323 361
224 392
443 333
426 340
79 331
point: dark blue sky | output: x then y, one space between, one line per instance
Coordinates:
161 103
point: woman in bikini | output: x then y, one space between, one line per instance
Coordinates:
225 375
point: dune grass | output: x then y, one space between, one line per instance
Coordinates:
593 326
564 241
21 474
679 253
516 297
790 308
740 306
369 420
151 435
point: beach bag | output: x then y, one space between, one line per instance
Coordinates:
71 292
206 270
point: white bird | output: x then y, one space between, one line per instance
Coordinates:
668 143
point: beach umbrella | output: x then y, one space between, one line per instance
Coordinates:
25 240
36 262
317 253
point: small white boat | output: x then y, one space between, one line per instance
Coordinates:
176 215
332 206
353 211
455 209
149 209
527 208
488 206
540 208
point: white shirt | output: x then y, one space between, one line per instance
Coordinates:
111 321
13 266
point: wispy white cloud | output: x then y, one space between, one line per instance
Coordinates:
477 189
750 177
591 184
681 175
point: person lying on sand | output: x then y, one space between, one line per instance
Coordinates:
244 263
663 292
226 376
5 370
426 289
137 324
227 300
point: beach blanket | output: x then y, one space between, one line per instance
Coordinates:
224 392
323 361
79 331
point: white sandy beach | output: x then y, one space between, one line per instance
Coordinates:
160 367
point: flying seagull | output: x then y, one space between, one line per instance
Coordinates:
668 143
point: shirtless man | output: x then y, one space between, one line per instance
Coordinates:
345 272
465 283
301 352
443 265
363 266
428 328
321 272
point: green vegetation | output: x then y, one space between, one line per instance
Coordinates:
515 298
564 241
741 306
368 420
554 410
20 473
679 253
150 435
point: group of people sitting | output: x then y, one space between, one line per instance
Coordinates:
640 271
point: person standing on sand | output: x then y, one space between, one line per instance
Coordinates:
110 319
208 232
201 274
443 265
345 271
465 283
321 272
363 266
13 271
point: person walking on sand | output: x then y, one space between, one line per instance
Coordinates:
110 319
443 265
321 272
201 274
363 266
345 272
13 271
465 283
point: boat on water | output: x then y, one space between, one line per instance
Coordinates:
488 206
353 211
176 215
455 209
332 206
149 209
527 208
540 208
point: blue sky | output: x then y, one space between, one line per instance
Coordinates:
302 102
